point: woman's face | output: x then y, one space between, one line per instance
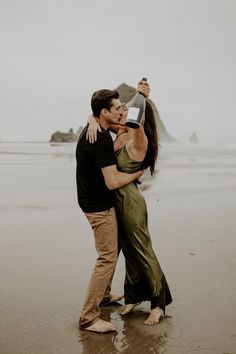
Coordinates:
124 114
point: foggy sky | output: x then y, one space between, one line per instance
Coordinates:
55 53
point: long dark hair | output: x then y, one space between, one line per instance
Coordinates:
150 129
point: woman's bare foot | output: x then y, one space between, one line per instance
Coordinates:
154 317
128 308
113 298
101 326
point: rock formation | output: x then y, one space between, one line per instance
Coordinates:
193 138
127 93
59 137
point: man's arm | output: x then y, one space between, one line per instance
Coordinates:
115 179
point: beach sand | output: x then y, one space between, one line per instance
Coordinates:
47 253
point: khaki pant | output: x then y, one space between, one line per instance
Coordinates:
104 226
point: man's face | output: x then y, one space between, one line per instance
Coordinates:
114 114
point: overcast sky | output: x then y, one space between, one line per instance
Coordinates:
55 53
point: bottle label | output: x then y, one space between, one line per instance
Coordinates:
133 113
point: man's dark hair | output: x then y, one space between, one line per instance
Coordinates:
102 99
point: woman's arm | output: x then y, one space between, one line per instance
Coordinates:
118 129
138 140
93 128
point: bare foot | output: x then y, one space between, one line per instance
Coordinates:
101 326
128 308
114 298
154 317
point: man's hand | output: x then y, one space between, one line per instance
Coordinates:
144 88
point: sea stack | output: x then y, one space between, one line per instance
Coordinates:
193 138
59 137
127 92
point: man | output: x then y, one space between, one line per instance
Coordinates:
97 176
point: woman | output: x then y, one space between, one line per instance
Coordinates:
144 280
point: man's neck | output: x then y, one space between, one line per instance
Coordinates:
104 124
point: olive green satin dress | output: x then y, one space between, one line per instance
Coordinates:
144 278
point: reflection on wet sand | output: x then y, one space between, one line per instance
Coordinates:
132 336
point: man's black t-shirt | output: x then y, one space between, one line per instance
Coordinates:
93 194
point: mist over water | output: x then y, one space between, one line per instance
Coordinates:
54 56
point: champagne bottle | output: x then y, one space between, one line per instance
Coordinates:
136 109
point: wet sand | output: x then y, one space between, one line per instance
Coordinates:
47 253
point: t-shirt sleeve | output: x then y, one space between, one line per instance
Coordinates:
104 152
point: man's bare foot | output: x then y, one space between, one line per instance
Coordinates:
154 317
101 326
128 308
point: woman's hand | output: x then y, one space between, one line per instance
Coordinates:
93 128
144 88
